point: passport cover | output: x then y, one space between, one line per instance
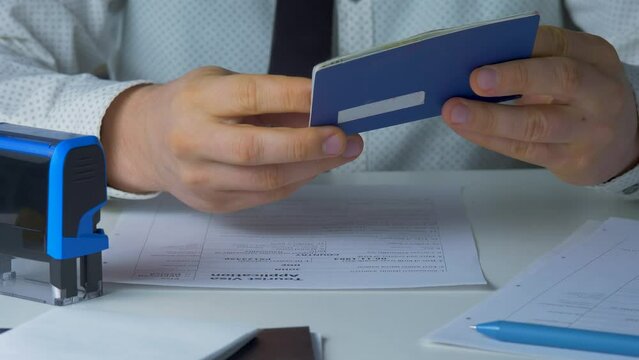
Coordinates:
411 79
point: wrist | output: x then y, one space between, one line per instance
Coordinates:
123 133
634 148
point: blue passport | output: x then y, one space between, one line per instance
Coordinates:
411 79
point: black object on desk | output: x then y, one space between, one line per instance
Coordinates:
282 344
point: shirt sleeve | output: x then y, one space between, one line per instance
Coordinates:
617 22
48 52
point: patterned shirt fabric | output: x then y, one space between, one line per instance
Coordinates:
50 48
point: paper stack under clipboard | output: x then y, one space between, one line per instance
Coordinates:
589 282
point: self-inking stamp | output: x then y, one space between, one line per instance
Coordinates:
52 187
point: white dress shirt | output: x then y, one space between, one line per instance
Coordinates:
49 48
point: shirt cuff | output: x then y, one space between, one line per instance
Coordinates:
632 73
625 186
115 193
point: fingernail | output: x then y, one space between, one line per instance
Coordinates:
459 114
333 145
487 78
353 148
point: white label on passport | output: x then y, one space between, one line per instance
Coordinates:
381 107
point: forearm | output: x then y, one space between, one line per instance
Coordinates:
47 51
41 98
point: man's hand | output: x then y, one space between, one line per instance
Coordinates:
577 116
220 141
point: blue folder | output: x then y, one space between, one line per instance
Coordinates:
410 80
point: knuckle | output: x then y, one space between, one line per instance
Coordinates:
490 122
206 71
569 75
200 206
185 93
210 201
216 206
296 98
610 50
189 83
562 164
521 75
289 99
269 178
179 144
559 40
557 164
197 73
247 94
190 177
247 150
189 88
606 48
282 193
521 149
584 164
536 125
298 149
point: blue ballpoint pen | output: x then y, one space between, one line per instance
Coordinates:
561 337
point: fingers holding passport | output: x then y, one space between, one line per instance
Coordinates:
577 115
221 141
228 161
554 41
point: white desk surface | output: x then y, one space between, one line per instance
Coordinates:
516 216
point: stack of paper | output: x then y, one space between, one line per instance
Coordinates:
591 282
77 332
324 237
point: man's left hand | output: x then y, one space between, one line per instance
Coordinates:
577 115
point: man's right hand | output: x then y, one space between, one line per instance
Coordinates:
220 141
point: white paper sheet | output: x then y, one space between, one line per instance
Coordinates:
589 282
324 237
79 333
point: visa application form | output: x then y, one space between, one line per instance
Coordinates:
324 237
590 282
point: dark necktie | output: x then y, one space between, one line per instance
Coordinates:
302 36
